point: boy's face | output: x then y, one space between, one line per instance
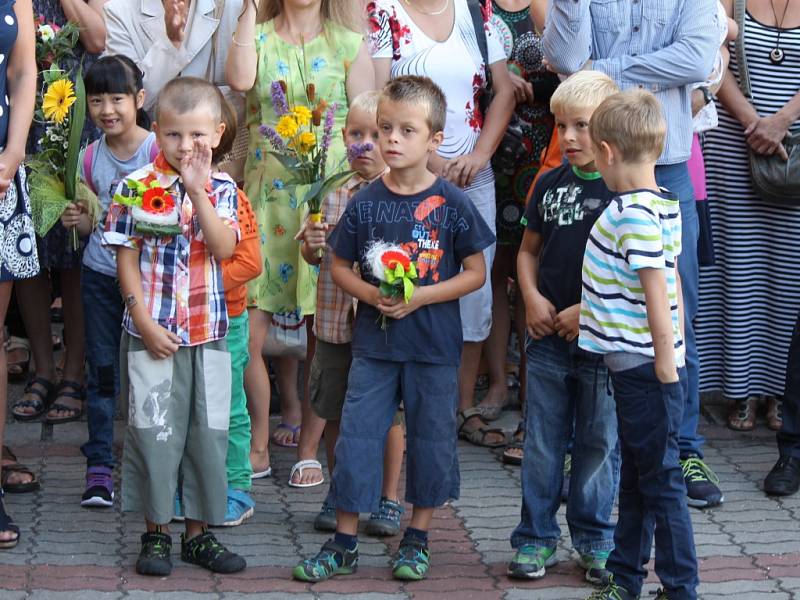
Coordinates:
177 133
362 128
574 139
405 138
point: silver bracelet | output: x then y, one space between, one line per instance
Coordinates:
235 43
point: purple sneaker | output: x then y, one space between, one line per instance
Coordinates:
99 487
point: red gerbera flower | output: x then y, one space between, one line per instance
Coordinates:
392 258
157 201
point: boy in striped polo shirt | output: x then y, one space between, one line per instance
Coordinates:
632 312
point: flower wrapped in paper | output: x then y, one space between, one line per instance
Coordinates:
152 207
394 270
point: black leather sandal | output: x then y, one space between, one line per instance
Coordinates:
43 397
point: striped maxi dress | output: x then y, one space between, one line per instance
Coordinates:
750 298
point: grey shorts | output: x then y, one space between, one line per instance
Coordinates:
327 383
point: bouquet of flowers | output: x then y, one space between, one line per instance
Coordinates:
394 269
62 109
153 207
302 147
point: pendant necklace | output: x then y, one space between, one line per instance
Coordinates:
777 54
430 14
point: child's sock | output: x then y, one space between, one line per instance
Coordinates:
417 534
349 542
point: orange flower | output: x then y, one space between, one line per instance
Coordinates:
279 230
157 201
392 258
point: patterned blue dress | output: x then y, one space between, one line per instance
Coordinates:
55 248
18 255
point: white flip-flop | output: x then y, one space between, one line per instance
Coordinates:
262 474
301 466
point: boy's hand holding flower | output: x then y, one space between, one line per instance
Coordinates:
75 215
394 307
314 234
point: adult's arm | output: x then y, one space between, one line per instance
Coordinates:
567 36
242 63
689 59
361 74
160 60
89 16
21 77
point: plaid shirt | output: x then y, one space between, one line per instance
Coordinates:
333 321
181 280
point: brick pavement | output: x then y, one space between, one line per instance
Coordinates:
749 548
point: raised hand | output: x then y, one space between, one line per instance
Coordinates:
195 168
176 13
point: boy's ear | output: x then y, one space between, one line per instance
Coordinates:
608 152
140 99
436 140
218 135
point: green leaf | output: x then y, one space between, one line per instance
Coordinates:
408 290
77 120
287 161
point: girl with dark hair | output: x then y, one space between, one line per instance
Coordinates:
114 97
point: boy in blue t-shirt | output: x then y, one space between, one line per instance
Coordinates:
416 356
566 385
632 313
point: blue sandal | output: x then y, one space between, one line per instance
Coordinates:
43 396
7 524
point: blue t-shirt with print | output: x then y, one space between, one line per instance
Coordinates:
438 227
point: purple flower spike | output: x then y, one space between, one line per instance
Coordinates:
357 150
274 139
327 136
279 104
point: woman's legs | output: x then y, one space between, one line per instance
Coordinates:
313 426
72 305
286 369
5 295
256 385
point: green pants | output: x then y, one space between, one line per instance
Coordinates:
238 460
178 415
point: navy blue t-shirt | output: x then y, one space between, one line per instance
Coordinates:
438 227
565 204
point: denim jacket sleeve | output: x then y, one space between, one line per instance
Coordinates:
688 59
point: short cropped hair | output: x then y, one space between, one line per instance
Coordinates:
633 122
413 89
366 101
584 90
184 94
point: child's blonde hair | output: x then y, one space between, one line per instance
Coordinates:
366 101
584 90
633 122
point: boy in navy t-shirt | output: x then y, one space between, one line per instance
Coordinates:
416 357
566 385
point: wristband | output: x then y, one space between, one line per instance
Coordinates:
241 45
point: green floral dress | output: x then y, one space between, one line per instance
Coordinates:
288 282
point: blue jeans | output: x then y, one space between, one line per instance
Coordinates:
676 179
374 389
566 385
652 496
102 303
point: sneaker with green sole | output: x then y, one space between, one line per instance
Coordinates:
530 561
594 563
204 550
612 591
412 561
332 559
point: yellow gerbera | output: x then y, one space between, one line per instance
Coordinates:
287 126
60 95
306 141
302 114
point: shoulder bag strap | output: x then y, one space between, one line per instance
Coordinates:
476 12
741 57
88 161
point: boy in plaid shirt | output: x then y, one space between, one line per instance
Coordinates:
333 321
172 222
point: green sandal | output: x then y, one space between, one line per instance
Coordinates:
332 559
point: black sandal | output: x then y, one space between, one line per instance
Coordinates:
7 524
14 466
40 404
75 412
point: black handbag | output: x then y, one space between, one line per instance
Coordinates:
511 152
774 179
